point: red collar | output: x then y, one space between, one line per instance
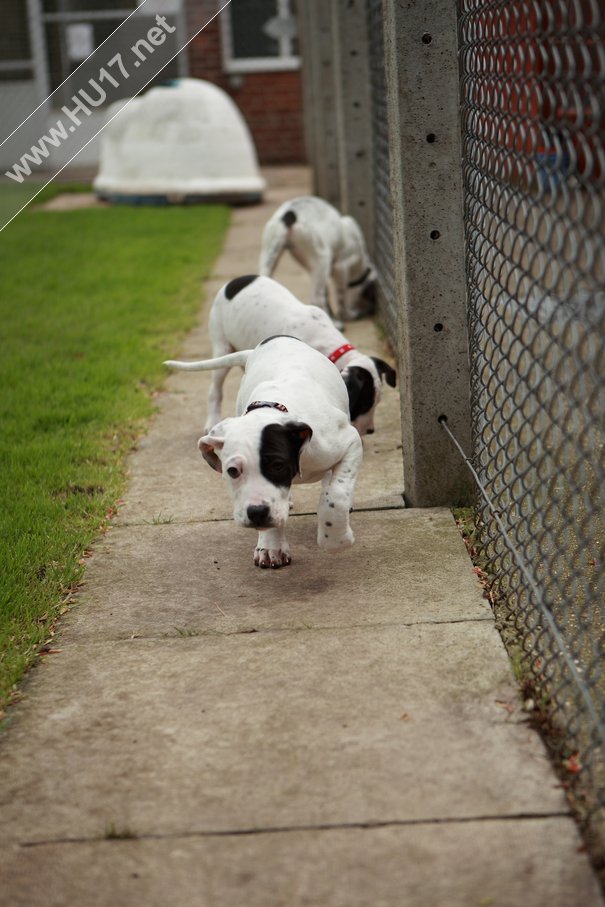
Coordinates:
345 348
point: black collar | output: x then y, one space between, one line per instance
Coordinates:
260 404
360 280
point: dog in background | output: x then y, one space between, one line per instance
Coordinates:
250 308
327 244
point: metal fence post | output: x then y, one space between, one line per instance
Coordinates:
353 111
426 186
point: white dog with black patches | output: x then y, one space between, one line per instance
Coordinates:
250 308
291 425
327 244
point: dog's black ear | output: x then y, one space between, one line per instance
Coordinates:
300 430
370 293
385 371
360 388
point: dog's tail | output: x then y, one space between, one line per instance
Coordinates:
205 365
275 237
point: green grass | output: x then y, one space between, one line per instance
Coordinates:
93 301
56 188
14 195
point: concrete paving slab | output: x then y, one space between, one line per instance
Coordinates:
272 730
424 865
194 578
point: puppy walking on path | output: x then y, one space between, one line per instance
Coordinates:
291 425
327 244
249 308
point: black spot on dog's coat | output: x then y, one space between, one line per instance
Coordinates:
289 218
239 283
370 295
280 447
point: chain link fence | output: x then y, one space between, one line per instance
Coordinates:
533 117
531 152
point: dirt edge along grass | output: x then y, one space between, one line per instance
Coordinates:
93 302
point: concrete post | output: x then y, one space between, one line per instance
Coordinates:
353 114
426 184
318 52
305 19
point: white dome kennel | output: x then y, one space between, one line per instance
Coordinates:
185 141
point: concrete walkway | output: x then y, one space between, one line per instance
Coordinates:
345 731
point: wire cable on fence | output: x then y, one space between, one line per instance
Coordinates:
533 585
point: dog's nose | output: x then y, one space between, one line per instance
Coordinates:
258 514
370 431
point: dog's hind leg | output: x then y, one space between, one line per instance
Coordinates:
320 285
273 244
320 279
215 398
220 347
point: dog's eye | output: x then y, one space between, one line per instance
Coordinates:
233 472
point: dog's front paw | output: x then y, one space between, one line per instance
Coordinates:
272 557
334 543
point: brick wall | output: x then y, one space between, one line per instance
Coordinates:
270 102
